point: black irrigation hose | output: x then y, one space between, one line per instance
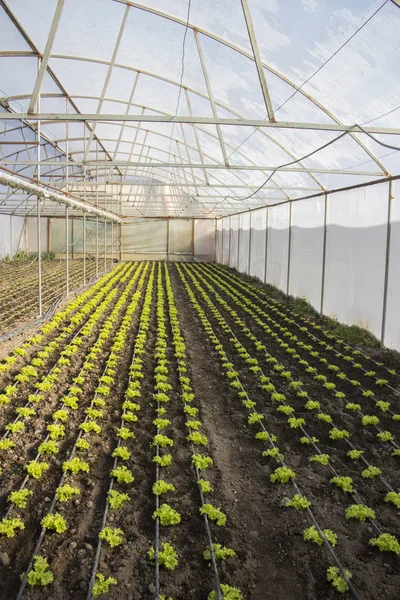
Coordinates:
297 490
197 472
53 504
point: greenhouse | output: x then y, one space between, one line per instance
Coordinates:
199 299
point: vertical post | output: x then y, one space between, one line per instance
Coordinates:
250 240
289 249
324 256
120 241
66 209
215 242
266 244
38 231
105 245
72 239
387 264
49 223
97 247
67 250
168 239
112 242
11 239
230 238
193 238
238 245
39 257
84 248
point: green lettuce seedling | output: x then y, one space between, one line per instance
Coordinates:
386 543
311 534
167 515
215 514
338 581
228 593
167 556
8 526
282 475
360 512
112 535
345 483
102 585
220 552
20 497
40 574
54 521
298 502
66 492
162 487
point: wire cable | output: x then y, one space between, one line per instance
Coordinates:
282 166
378 141
314 73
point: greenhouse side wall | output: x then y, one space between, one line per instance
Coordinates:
12 235
336 250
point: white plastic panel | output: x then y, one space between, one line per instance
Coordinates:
225 240
218 241
145 236
233 255
278 246
355 256
392 325
11 231
31 225
307 250
258 243
204 239
244 242
180 236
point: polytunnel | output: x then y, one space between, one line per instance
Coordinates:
223 175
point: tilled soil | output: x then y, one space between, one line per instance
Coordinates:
273 561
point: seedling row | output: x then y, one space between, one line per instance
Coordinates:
175 432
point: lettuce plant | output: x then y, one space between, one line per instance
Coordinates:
40 573
167 556
338 581
215 514
102 585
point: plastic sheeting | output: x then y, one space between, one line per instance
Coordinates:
11 238
392 322
233 256
204 239
180 236
307 244
244 242
278 246
355 256
350 284
258 243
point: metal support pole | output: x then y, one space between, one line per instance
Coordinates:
289 248
112 242
193 238
266 244
38 231
67 250
66 208
84 248
250 240
120 241
238 245
215 242
230 239
73 240
105 245
97 247
168 239
321 311
39 259
11 239
387 264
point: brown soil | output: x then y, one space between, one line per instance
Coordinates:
273 562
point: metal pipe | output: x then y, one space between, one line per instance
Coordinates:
387 264
84 248
266 244
67 250
289 249
38 216
250 240
97 247
105 245
321 311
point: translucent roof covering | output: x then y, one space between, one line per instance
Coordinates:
196 108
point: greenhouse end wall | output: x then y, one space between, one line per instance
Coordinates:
340 251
